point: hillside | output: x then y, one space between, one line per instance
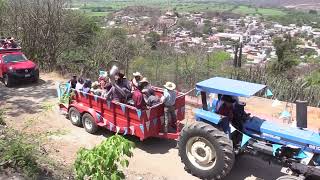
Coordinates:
285 3
296 4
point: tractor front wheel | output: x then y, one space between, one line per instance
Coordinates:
206 151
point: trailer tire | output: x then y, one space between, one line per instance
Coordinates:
208 144
289 177
89 124
75 116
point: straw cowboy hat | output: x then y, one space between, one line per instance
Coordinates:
95 84
144 80
170 85
137 74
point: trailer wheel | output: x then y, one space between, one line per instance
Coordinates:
206 151
289 177
75 116
89 124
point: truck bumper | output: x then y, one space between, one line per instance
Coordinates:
29 76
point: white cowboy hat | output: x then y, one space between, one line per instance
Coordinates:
136 74
95 84
170 85
144 80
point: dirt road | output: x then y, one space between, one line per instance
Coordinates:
153 159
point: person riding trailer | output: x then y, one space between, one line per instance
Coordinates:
137 77
121 89
169 100
138 98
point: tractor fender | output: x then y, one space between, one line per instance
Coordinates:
210 117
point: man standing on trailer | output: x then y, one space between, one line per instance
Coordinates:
169 101
136 79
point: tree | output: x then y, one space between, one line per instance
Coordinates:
312 11
153 38
42 27
207 28
220 28
2 8
242 23
187 24
285 51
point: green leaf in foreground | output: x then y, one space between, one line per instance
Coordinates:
103 161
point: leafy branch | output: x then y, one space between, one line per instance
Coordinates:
102 162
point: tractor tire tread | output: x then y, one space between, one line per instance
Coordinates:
223 141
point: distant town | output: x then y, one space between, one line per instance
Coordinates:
216 32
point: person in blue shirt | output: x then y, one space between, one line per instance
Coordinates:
169 101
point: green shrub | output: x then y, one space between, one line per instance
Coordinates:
17 153
102 162
2 113
314 78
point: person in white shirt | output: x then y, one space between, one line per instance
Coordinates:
79 84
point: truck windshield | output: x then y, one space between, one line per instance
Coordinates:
14 58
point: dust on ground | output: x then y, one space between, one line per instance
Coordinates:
27 107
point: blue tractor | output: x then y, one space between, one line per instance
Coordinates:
209 145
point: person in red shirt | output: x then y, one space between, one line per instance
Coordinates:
226 109
137 96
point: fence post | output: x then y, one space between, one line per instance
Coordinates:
301 113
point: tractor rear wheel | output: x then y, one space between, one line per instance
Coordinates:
206 151
89 124
75 116
290 177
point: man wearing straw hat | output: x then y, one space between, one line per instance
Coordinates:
169 100
138 99
136 79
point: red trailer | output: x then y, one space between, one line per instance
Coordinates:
92 112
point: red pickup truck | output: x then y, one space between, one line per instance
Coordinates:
15 67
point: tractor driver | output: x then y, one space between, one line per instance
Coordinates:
225 108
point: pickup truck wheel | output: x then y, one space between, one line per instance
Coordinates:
75 116
35 80
289 177
7 80
206 151
89 124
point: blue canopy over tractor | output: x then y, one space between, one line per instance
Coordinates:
225 86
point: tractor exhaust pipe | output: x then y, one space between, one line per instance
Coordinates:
301 113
